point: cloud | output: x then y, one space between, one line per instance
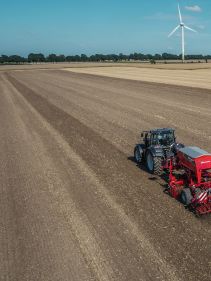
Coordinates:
201 26
195 8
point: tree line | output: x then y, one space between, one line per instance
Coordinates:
53 58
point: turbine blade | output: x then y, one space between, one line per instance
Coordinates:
180 16
173 31
185 26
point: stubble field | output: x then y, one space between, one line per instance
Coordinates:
182 75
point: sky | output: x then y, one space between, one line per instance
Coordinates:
73 27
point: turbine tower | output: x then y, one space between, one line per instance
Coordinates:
183 26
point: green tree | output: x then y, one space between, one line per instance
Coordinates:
36 58
84 58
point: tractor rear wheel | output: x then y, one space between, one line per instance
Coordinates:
137 155
154 164
186 196
158 168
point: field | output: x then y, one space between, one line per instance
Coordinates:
73 204
169 66
187 75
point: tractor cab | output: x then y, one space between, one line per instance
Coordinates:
159 137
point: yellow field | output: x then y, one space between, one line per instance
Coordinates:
195 75
188 74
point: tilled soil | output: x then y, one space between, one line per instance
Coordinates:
73 204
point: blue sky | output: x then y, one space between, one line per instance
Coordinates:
102 26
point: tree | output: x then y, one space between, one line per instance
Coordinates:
61 58
84 58
16 59
51 58
4 59
36 58
157 57
98 58
70 58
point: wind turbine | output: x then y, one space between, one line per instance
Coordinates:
183 26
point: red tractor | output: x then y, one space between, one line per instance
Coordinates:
190 178
188 168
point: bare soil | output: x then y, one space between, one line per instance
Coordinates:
73 204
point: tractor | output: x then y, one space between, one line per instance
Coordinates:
156 146
188 169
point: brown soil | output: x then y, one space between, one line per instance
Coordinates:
73 204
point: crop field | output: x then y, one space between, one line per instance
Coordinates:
73 204
187 75
172 65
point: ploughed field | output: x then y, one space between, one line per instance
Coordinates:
73 204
